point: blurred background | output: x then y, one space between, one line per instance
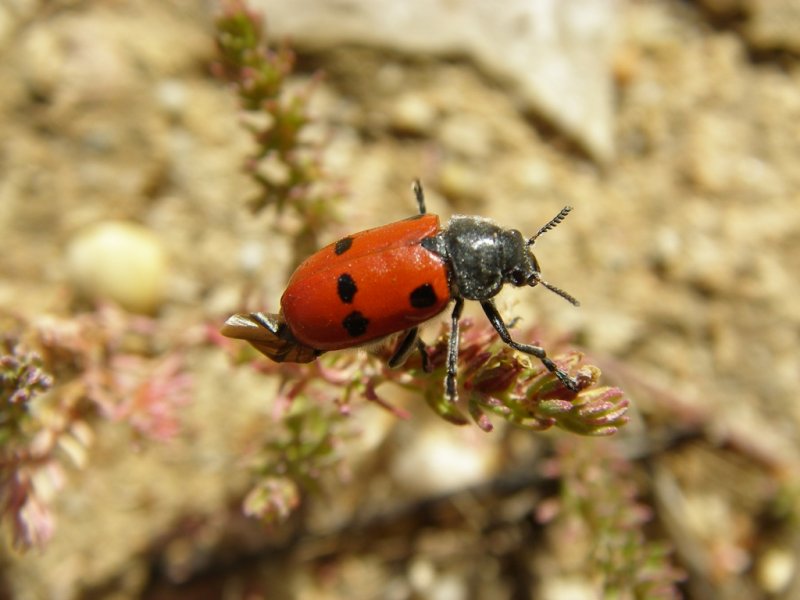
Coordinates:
672 128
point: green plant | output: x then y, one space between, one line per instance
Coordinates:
598 512
285 166
494 380
58 379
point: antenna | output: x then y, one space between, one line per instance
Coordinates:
550 225
556 290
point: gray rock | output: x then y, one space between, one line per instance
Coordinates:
555 55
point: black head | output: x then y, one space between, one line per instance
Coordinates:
483 257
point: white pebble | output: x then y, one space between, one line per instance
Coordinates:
444 459
119 261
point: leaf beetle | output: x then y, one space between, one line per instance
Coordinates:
388 280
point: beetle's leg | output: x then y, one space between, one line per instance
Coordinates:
450 391
420 196
497 322
423 353
405 348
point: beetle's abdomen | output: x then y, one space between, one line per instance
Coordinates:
367 286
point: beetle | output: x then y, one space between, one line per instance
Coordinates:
388 280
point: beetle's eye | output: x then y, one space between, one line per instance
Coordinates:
518 277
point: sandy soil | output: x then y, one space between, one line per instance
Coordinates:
681 250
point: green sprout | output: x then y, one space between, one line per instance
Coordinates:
286 168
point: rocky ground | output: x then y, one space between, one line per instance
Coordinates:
681 249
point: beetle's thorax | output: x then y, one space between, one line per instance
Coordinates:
482 257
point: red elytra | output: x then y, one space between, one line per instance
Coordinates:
388 280
377 282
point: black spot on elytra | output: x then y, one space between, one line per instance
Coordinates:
346 288
343 245
355 324
423 296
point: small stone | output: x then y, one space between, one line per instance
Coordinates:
412 114
613 332
467 136
441 460
119 261
574 588
774 25
460 182
724 8
776 569
172 96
